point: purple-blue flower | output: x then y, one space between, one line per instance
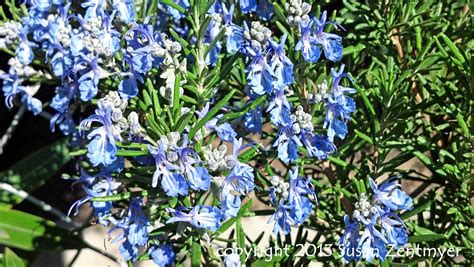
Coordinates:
199 216
162 255
390 195
247 6
282 219
173 183
348 243
101 149
287 143
260 74
307 44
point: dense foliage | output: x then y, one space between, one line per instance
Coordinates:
352 125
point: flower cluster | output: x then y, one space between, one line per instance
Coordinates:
378 221
294 201
159 152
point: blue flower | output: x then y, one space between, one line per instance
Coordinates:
93 8
11 87
247 6
41 5
100 185
65 121
394 228
230 204
308 43
224 130
234 34
128 251
287 143
279 108
205 217
173 183
281 64
89 74
32 104
348 243
336 79
60 63
338 107
101 149
260 74
24 52
137 228
162 255
283 220
372 242
213 30
240 181
317 145
174 12
125 9
265 9
198 177
331 43
232 260
298 198
128 88
390 195
133 230
216 8
253 120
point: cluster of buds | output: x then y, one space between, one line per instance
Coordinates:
23 71
297 12
321 94
280 187
120 122
258 35
171 65
301 121
93 24
217 160
363 207
9 34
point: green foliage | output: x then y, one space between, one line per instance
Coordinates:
34 170
412 64
29 232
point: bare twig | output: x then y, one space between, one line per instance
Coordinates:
9 132
38 202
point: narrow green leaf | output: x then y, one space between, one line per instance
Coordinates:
174 5
131 153
227 224
453 48
241 239
181 41
210 114
196 253
251 106
121 196
33 171
416 210
184 121
10 259
214 41
353 49
363 136
29 232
